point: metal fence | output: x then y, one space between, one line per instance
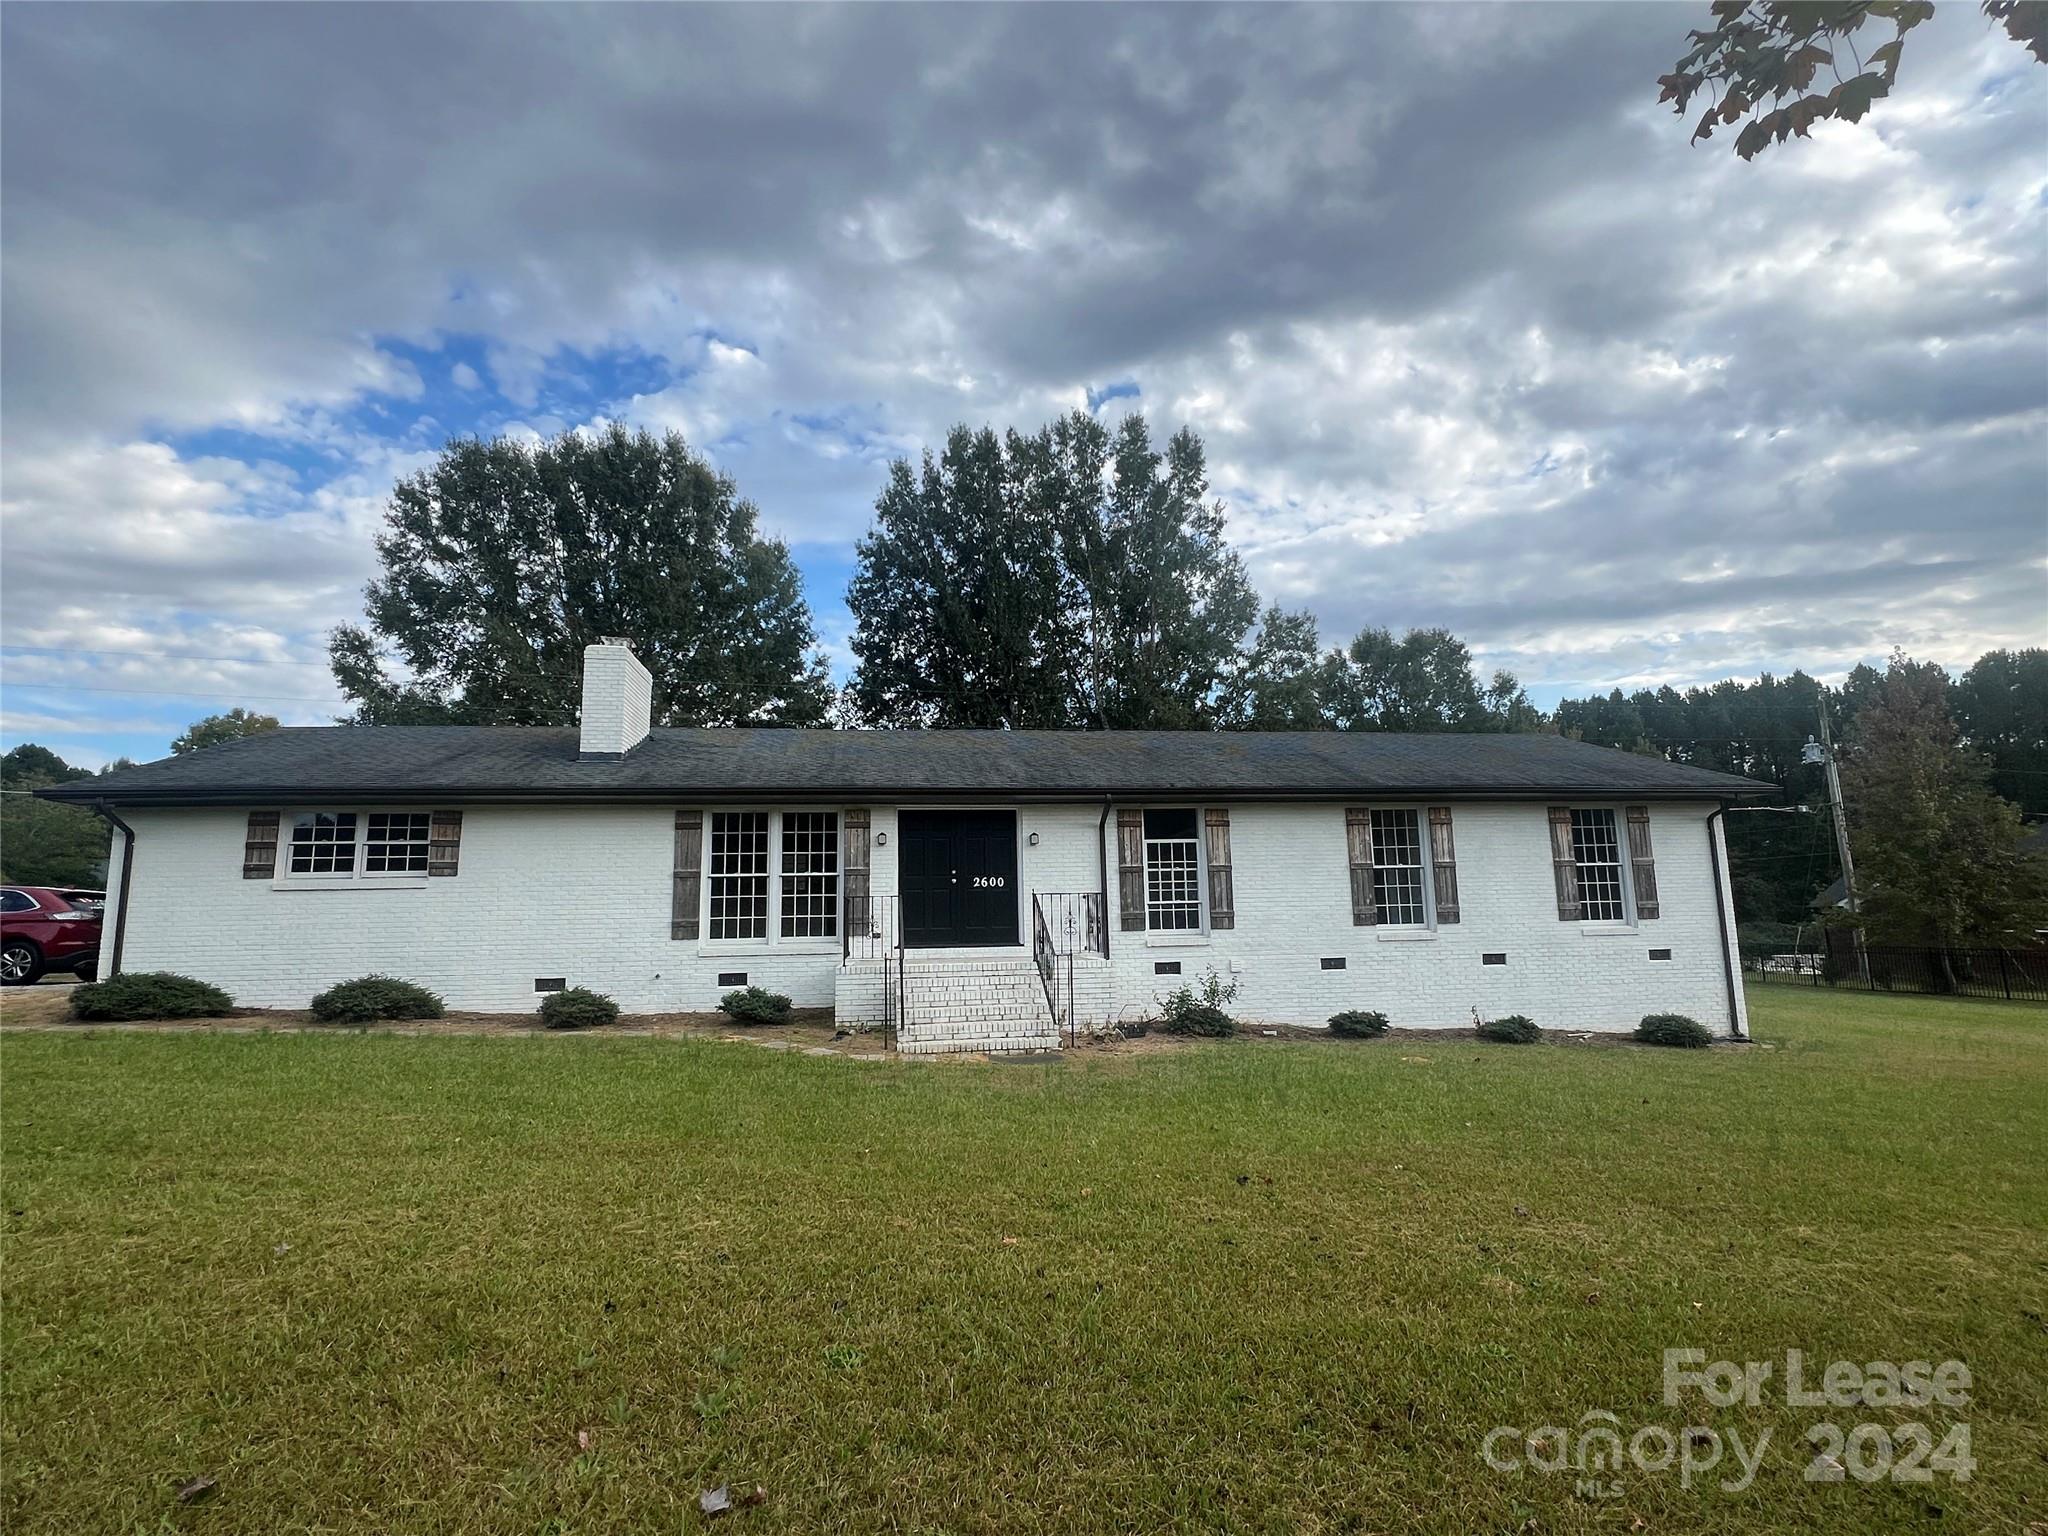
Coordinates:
2017 975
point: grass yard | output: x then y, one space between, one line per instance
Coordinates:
524 1284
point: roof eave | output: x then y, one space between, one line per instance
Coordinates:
845 794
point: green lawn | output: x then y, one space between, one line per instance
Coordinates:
380 1283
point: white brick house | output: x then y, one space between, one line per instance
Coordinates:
966 889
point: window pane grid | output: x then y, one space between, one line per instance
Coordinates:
324 843
810 874
1597 853
1397 893
1173 884
395 843
739 875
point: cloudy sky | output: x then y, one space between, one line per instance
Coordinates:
1473 336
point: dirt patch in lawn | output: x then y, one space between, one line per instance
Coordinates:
39 1007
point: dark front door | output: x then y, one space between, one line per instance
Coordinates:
958 874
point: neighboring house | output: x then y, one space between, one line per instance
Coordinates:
965 888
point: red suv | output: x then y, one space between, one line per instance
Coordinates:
46 928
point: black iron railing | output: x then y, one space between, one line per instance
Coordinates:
873 930
1065 924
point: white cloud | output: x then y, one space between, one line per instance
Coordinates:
1471 333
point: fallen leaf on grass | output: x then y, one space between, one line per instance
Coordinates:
196 1490
1009 1242
715 1501
583 1439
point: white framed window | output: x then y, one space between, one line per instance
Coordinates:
396 842
810 874
738 883
1400 872
336 845
1173 871
324 843
1596 855
784 863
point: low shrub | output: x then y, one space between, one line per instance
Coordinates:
1512 1030
1186 1011
755 1005
369 998
1674 1029
577 1008
149 995
1199 1019
1356 1024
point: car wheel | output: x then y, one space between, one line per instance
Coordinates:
20 963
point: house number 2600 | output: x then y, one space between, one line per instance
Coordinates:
988 882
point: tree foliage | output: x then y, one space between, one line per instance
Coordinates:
1938 854
215 729
1283 684
41 842
2001 704
959 597
502 560
1072 577
1422 682
1780 68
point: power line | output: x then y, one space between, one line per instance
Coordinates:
236 661
179 693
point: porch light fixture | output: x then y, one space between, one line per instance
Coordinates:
1032 839
881 839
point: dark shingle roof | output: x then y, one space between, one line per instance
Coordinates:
308 763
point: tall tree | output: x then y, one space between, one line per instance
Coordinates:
1069 577
1166 602
2001 703
502 561
43 843
1281 684
215 729
1779 68
1938 855
1422 682
957 595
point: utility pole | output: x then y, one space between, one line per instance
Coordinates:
1824 754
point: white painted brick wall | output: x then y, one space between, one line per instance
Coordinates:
583 893
618 700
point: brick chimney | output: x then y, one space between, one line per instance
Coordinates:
618 701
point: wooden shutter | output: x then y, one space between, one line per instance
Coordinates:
1443 856
1640 863
853 871
1358 844
1130 870
1222 893
259 848
689 874
1562 865
444 843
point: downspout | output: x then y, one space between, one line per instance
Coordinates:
1721 918
1102 863
101 809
